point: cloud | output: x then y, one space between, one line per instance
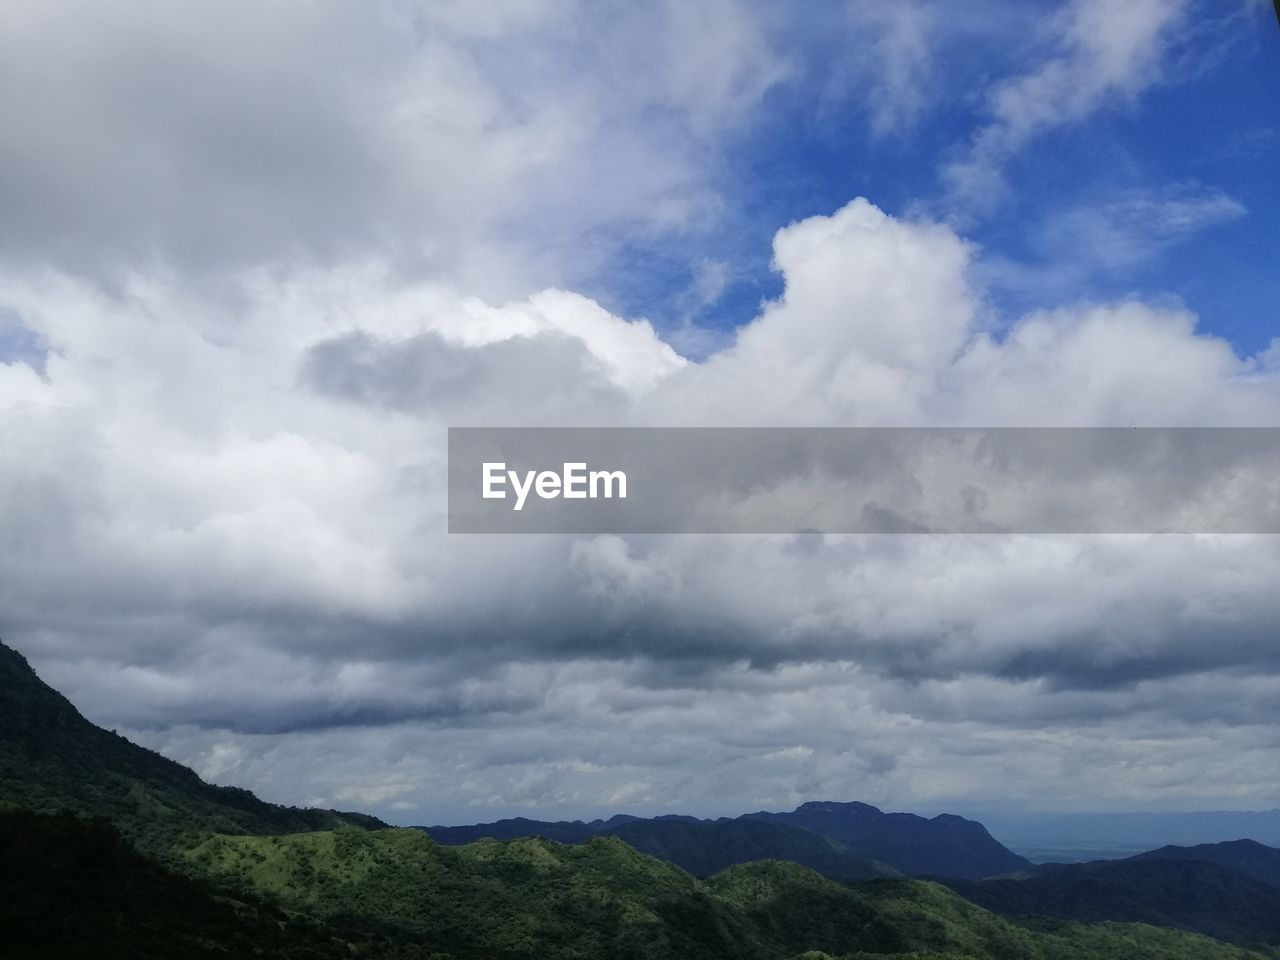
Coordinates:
901 38
256 261
1110 237
556 355
1107 51
808 732
229 531
1137 227
201 140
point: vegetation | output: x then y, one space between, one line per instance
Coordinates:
913 918
842 841
72 888
705 847
521 898
536 898
1198 895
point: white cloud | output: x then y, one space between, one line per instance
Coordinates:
1136 227
485 143
1109 51
187 491
1109 238
900 65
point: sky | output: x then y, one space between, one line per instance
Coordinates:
255 259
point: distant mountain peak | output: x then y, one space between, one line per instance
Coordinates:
838 806
945 846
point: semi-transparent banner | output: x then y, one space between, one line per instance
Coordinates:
864 480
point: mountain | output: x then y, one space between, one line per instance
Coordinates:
704 847
944 846
1249 857
534 899
529 898
52 758
74 889
922 921
842 841
1189 894
563 831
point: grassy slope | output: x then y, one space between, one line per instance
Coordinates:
1193 895
704 848
936 918
521 898
74 889
911 918
536 898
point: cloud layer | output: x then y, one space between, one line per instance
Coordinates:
236 530
242 297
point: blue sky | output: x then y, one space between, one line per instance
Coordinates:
1168 193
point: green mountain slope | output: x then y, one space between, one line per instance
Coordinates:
1188 894
533 898
52 758
705 847
74 889
913 917
513 899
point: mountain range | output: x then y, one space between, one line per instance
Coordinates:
1228 890
108 850
842 841
944 846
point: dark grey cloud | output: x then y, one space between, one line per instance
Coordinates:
426 374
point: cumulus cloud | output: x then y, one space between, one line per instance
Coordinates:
255 262
202 139
233 532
